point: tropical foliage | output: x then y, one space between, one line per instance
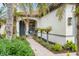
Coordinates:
70 46
2 21
47 30
60 12
9 22
42 9
15 47
57 47
77 11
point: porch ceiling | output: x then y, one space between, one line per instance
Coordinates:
33 18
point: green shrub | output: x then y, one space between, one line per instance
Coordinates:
44 43
70 46
21 38
74 47
15 47
68 53
57 47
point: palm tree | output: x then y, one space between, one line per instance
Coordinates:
42 9
14 20
16 14
30 7
77 15
60 11
9 22
2 21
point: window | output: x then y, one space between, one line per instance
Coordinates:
69 21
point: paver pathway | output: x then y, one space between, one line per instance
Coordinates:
39 50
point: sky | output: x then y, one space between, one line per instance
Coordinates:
1 5
34 6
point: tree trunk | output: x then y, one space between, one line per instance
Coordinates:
9 23
77 5
77 35
26 16
14 27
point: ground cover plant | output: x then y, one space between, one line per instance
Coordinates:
15 47
56 47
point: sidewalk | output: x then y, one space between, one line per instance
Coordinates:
39 50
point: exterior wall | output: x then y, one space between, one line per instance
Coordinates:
55 38
61 32
52 20
71 30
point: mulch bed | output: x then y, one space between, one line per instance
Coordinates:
39 39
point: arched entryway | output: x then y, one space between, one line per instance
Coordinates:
32 26
22 28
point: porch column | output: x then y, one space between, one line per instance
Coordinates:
17 27
27 29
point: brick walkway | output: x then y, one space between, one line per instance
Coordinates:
39 50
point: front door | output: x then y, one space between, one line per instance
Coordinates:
22 28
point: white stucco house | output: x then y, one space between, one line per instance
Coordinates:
61 30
